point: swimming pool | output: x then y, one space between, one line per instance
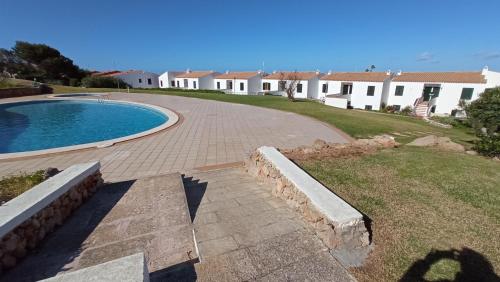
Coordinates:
47 124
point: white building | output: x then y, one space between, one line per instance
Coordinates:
438 92
134 78
167 79
360 90
195 80
307 86
242 83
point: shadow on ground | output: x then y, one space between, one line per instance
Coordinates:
67 243
473 266
194 193
180 272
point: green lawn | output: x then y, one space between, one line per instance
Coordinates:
356 123
13 186
420 199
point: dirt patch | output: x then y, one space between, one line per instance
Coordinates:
321 149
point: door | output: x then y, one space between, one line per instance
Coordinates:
430 92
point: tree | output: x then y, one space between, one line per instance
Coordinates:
289 82
484 116
370 68
29 61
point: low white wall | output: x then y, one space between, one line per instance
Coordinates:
338 224
131 268
21 208
336 102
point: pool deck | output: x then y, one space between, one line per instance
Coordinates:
210 133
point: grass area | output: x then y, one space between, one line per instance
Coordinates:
13 186
356 123
14 83
421 200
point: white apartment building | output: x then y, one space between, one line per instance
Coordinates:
360 90
167 79
241 83
195 80
307 86
134 78
425 92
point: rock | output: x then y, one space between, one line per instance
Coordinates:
427 141
472 153
49 172
319 144
11 242
9 261
443 143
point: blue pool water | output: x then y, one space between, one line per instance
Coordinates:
38 125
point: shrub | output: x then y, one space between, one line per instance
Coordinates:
407 111
390 109
484 115
103 82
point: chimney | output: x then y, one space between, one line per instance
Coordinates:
388 72
399 72
274 71
188 71
329 72
227 72
485 70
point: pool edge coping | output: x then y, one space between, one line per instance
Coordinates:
173 119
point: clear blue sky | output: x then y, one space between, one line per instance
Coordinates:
240 35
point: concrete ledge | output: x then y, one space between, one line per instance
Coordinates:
21 208
127 269
338 224
27 219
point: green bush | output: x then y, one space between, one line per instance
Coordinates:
103 82
484 116
407 111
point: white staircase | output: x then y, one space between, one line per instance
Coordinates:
421 108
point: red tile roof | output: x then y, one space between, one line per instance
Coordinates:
289 75
450 77
356 76
195 74
238 75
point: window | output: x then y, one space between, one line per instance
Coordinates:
242 86
399 90
218 84
172 83
140 80
185 83
281 85
161 83
325 88
194 84
178 84
299 88
149 81
466 93
370 91
229 84
346 89
397 108
266 86
368 107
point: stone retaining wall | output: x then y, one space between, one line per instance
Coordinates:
25 91
338 224
15 244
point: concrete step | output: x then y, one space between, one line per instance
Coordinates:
148 215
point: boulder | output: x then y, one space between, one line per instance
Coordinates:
443 143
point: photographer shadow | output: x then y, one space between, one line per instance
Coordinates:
473 266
